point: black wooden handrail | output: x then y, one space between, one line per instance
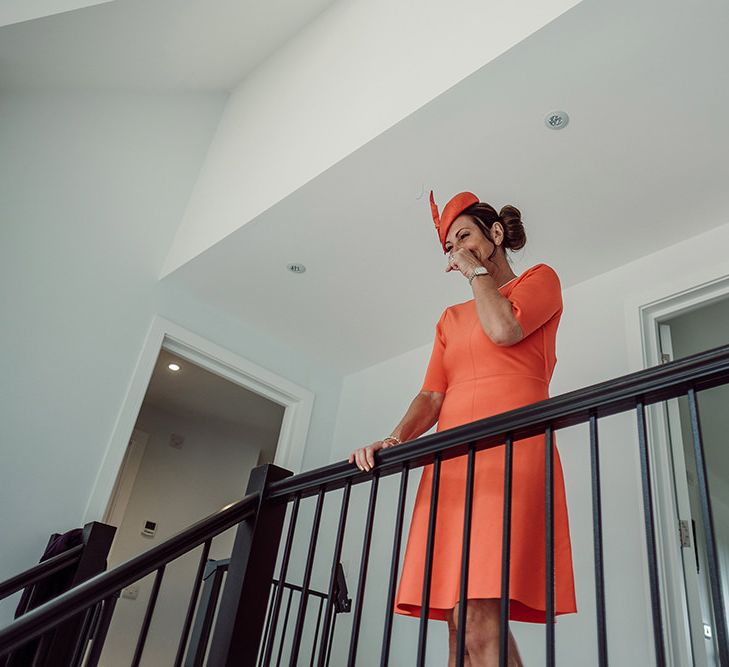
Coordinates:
104 585
699 371
40 571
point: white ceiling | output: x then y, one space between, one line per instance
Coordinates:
198 393
154 45
642 165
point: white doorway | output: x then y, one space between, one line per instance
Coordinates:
673 328
681 336
195 442
296 400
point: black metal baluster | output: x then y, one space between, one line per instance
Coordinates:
328 614
425 602
331 639
549 484
363 563
316 631
88 636
394 565
301 617
264 641
465 557
708 521
281 579
148 617
97 645
95 620
506 553
597 536
285 625
650 534
41 651
83 638
182 646
200 636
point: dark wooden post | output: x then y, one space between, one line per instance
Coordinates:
97 543
57 646
242 611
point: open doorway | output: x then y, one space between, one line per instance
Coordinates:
164 334
195 441
681 335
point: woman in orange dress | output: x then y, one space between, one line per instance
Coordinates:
493 353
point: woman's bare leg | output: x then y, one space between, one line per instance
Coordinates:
452 639
482 635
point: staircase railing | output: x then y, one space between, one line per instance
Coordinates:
213 580
50 577
246 603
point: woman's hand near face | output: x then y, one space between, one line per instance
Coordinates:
462 260
364 457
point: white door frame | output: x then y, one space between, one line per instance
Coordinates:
644 312
128 471
297 401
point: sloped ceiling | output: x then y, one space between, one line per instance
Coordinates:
642 165
198 393
149 45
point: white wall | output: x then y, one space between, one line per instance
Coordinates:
359 68
175 488
79 290
598 340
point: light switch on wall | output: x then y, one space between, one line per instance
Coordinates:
131 592
149 528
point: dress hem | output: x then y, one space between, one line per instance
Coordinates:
518 611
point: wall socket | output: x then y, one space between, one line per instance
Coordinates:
131 592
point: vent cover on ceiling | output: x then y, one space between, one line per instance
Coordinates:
556 120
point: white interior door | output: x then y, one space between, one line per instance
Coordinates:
689 520
125 479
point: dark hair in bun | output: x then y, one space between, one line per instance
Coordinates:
485 216
510 217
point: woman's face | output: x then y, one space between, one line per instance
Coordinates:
464 233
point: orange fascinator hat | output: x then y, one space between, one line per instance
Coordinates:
451 211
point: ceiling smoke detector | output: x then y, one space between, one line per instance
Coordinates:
296 268
556 120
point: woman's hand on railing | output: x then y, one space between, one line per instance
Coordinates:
364 457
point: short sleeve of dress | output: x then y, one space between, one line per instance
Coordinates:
435 377
536 298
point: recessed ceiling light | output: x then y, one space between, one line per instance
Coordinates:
174 367
296 268
556 120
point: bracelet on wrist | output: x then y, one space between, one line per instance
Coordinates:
478 271
393 439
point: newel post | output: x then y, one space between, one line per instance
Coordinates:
244 601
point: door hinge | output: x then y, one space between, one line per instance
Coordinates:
684 533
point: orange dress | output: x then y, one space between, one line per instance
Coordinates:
480 379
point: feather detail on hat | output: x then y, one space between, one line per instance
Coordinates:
434 211
455 206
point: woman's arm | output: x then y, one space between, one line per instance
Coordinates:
495 312
420 416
